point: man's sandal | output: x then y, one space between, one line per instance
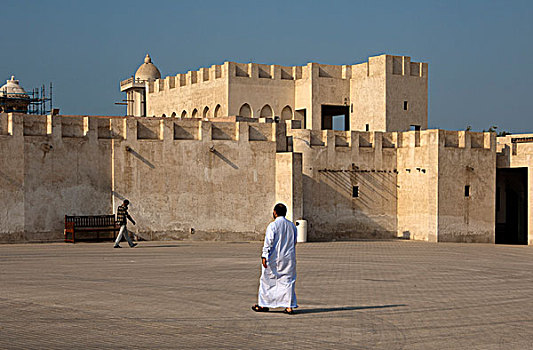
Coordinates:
288 312
258 308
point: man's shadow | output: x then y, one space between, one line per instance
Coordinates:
162 246
343 308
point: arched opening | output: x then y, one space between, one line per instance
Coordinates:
195 113
205 114
184 114
173 115
266 112
245 111
286 113
217 111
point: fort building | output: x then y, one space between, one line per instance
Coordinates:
206 155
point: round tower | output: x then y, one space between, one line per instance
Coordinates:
136 86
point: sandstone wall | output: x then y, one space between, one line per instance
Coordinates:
196 94
333 163
191 179
374 91
186 179
418 192
51 167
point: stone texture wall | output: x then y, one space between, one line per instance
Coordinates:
418 191
219 184
192 179
410 185
185 179
183 94
333 162
469 218
375 92
51 167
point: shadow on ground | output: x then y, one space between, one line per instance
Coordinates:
162 246
343 308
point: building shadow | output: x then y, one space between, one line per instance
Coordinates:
368 215
344 308
141 158
223 158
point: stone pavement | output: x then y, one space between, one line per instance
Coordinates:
197 295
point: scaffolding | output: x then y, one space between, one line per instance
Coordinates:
38 101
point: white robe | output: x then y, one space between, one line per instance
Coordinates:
276 286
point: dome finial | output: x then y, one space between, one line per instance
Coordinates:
147 59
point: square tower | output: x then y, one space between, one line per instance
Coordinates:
389 93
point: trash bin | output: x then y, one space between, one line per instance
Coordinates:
301 227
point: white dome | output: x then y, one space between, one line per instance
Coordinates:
147 70
13 89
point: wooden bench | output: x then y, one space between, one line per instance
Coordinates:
95 227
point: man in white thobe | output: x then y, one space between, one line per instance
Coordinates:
278 272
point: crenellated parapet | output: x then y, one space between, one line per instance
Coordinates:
443 139
390 65
98 128
252 71
236 129
203 75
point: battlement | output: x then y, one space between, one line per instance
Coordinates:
215 72
375 66
390 65
232 129
140 128
342 140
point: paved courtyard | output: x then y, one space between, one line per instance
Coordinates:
197 295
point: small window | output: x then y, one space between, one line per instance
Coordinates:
355 191
467 191
367 127
404 105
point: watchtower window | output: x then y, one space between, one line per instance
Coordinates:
404 105
367 127
467 191
355 191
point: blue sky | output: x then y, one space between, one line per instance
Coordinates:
480 53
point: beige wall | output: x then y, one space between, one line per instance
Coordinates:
379 88
221 182
467 219
411 184
263 86
289 183
417 166
186 92
335 161
216 178
54 166
368 93
411 85
434 166
11 178
375 91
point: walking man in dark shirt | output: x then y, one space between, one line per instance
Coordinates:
122 219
